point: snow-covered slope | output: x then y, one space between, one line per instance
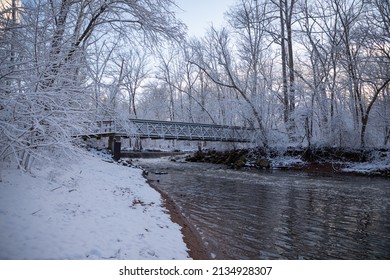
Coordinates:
90 209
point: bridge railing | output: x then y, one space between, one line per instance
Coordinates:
173 130
186 131
96 128
106 127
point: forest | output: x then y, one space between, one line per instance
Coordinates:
304 73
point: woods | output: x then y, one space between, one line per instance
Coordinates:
305 73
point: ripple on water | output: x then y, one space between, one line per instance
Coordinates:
281 215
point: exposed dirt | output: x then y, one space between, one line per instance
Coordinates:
197 250
315 167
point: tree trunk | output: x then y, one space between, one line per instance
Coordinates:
291 91
284 65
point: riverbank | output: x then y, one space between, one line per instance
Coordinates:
325 160
197 250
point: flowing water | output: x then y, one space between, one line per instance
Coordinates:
279 214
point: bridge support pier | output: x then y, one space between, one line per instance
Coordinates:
114 145
110 146
117 150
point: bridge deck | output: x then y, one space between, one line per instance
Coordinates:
174 131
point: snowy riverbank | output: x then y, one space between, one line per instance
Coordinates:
326 160
89 209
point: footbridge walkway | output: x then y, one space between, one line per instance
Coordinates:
173 131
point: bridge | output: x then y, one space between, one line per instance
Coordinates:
152 129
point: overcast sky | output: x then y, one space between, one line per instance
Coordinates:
198 15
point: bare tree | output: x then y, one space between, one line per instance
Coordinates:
228 75
167 73
135 72
283 35
365 64
52 63
151 17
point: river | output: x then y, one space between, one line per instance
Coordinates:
279 214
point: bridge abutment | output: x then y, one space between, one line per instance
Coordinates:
117 149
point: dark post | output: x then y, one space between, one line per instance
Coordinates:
110 141
117 150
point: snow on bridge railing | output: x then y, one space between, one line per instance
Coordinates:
187 131
97 128
153 129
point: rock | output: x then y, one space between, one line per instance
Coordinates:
264 163
197 157
240 162
160 173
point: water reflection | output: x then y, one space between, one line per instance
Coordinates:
281 215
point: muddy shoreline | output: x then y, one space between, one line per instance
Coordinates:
193 240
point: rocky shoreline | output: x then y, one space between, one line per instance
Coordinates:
327 160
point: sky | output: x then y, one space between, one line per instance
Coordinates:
198 15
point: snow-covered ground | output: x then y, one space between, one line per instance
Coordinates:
378 163
368 168
89 209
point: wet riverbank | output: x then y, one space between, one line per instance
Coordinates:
197 250
278 214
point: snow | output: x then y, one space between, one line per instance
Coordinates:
368 168
88 209
378 163
285 161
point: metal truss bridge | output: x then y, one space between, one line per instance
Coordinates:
174 131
